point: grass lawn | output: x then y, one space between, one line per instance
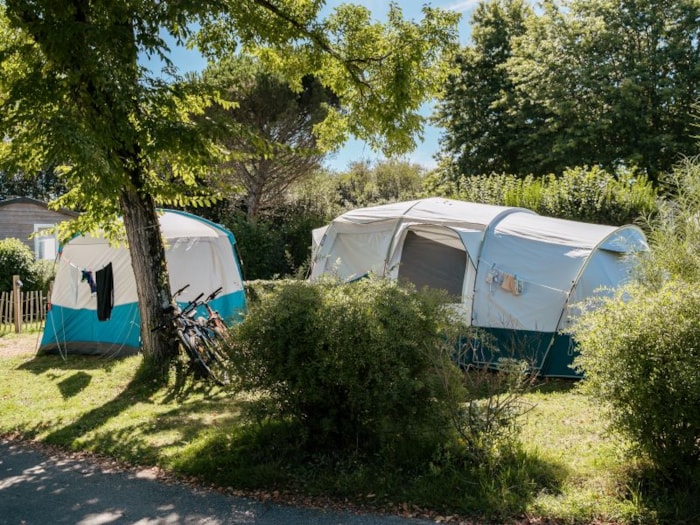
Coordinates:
94 404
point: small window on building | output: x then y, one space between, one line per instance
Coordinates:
45 242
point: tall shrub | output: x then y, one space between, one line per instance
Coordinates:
16 259
640 352
353 364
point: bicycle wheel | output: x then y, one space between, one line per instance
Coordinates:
215 360
203 354
190 344
215 343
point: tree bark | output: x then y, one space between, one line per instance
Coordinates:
150 271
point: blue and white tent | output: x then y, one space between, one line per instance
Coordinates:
198 252
515 274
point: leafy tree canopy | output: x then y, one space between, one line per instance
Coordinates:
484 134
579 82
276 144
74 94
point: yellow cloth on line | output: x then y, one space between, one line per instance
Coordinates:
511 284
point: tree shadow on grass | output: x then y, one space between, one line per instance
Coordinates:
74 384
200 406
41 364
188 381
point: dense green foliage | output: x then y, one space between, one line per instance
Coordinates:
639 351
482 132
353 365
17 259
577 82
641 354
580 194
278 243
275 143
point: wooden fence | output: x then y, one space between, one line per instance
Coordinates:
32 311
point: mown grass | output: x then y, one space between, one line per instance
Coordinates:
567 469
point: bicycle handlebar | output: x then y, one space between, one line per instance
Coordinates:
180 290
214 294
192 304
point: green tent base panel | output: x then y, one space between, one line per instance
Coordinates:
549 354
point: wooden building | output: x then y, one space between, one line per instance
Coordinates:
21 217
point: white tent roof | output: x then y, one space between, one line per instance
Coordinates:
433 211
547 254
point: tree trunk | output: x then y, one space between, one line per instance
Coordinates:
150 271
253 202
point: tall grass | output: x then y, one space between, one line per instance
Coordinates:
581 194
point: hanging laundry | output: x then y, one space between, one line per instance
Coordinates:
511 283
105 292
87 276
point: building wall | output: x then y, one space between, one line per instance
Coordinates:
18 218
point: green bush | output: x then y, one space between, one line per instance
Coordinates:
16 259
278 243
580 194
640 354
357 366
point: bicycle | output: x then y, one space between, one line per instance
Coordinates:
200 339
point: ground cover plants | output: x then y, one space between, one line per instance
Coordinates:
563 466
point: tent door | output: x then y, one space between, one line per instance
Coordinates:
428 262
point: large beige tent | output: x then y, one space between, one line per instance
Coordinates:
513 272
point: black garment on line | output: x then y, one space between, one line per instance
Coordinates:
105 292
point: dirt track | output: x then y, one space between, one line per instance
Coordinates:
12 345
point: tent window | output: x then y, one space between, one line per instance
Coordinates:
425 262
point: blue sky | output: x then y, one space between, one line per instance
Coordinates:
423 154
356 150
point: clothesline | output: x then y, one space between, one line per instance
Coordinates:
101 284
